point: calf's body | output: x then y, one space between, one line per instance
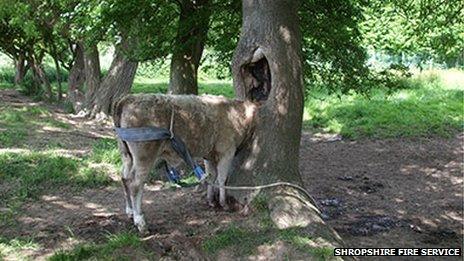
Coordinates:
212 127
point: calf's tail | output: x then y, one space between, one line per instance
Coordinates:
117 112
118 108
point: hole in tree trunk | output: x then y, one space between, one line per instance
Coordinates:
257 78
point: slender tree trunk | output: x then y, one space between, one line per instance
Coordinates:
190 42
115 85
267 68
59 94
76 79
21 69
92 73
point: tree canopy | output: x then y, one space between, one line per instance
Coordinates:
335 34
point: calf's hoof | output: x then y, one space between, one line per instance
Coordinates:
129 212
245 210
139 222
224 206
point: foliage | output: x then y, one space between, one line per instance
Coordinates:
332 51
223 36
428 29
334 34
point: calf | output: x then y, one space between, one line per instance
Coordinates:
212 127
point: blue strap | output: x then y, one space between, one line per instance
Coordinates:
143 134
172 174
199 173
154 133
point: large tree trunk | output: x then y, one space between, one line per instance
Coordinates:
267 68
76 78
190 42
115 85
21 69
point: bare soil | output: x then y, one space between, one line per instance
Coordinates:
375 193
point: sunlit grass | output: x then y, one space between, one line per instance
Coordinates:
11 249
245 240
16 122
214 87
122 246
428 105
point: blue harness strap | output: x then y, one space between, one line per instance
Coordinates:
143 134
154 133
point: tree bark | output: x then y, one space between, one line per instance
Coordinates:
267 69
190 42
92 72
115 85
59 94
76 78
40 78
21 69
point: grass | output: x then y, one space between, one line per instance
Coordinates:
15 123
428 105
12 248
106 151
33 173
244 240
122 246
26 174
214 87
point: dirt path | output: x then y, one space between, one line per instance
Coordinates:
389 193
375 193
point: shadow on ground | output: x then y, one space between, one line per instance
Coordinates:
389 193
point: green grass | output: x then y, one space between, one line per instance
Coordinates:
245 239
123 246
12 248
17 122
426 106
36 172
106 151
26 175
5 86
143 85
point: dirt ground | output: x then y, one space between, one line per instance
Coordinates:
374 193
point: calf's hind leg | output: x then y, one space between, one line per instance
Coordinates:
211 170
126 175
144 156
223 171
